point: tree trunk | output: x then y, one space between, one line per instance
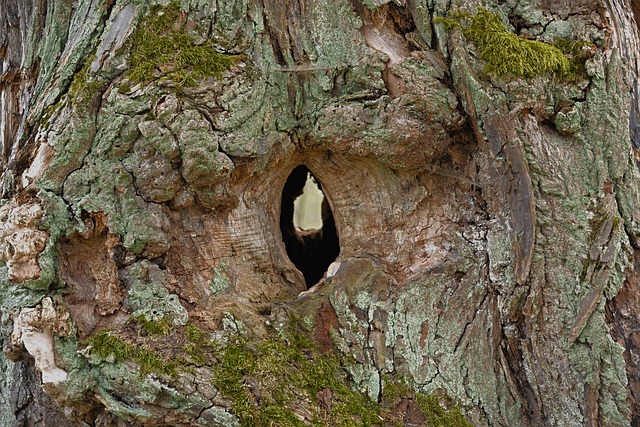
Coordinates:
480 238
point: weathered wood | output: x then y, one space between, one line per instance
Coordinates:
485 224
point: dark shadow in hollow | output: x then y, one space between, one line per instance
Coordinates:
311 251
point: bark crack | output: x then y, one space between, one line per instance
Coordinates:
469 322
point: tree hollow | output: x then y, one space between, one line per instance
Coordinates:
313 250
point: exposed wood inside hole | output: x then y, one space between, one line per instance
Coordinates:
310 249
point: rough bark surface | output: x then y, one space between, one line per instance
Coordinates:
488 226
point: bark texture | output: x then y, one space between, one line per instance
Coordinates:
488 226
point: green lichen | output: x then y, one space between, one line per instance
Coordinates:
57 223
220 281
111 348
507 54
149 298
7 417
160 43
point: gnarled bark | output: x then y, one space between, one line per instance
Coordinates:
487 225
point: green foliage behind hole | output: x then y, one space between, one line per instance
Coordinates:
160 43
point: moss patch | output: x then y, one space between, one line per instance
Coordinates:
267 380
394 390
441 411
272 381
507 54
283 380
161 326
111 348
438 409
161 44
577 52
84 86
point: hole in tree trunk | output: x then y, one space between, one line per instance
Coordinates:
307 225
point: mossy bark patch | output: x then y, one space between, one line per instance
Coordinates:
508 54
160 46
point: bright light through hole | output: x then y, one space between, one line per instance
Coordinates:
307 208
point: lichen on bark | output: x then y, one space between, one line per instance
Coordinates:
487 222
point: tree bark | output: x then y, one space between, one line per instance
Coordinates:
487 226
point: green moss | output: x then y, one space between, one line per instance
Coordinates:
160 43
616 222
440 411
507 54
154 327
393 390
195 334
577 51
108 346
46 115
82 90
196 353
265 380
83 86
111 348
